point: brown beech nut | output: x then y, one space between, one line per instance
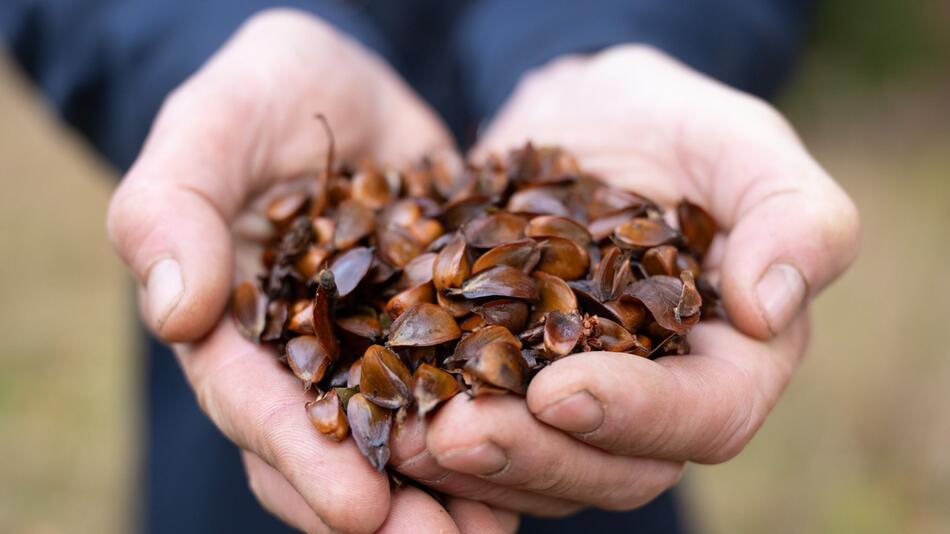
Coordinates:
501 365
698 227
554 226
423 325
384 378
498 281
370 425
562 332
327 415
285 208
522 254
493 230
354 222
472 344
432 386
645 232
308 358
349 268
249 308
451 266
389 290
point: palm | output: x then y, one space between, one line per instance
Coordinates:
644 122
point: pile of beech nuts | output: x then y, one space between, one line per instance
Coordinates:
394 290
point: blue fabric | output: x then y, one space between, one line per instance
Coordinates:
106 66
749 44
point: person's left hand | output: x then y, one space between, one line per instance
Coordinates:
614 430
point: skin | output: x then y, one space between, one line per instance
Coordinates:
242 128
629 424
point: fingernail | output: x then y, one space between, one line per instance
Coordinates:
164 288
781 292
484 459
579 412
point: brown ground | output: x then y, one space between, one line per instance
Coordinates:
858 443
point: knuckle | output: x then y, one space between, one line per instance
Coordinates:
354 511
736 433
763 113
641 54
281 18
558 479
848 220
294 30
127 223
836 224
852 220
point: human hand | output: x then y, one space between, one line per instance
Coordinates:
242 126
647 123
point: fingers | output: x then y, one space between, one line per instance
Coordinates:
791 229
641 119
496 439
244 122
169 220
412 510
784 249
411 458
476 518
702 407
277 495
260 406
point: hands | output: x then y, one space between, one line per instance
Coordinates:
636 117
242 126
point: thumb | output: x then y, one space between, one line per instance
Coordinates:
784 250
212 147
791 230
169 220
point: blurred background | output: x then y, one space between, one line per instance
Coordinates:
859 443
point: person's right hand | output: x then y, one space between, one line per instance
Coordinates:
239 127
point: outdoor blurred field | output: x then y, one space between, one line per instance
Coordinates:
860 443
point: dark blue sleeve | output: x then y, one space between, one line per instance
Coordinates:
106 65
749 44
